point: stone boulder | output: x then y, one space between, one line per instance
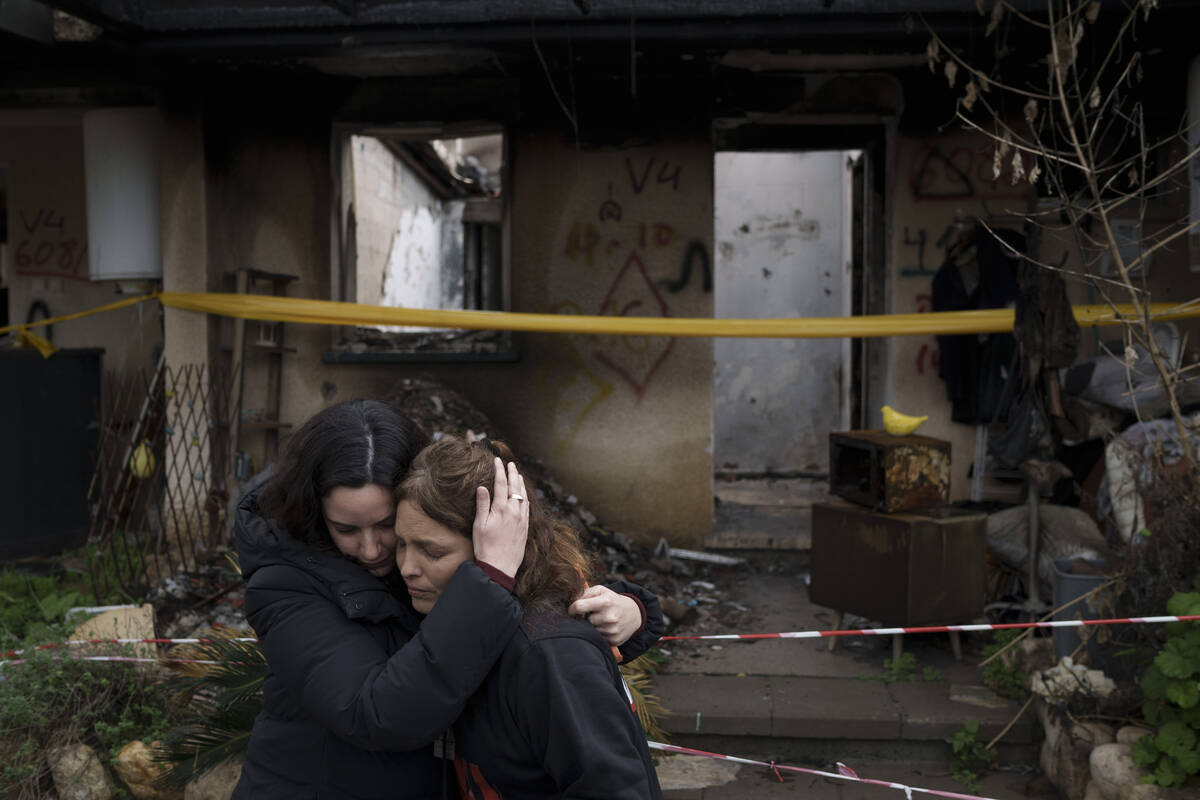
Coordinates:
1065 752
217 784
1093 733
78 773
1146 791
1112 769
135 766
1131 733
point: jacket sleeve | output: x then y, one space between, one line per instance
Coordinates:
652 631
570 708
337 673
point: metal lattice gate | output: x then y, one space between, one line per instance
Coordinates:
159 495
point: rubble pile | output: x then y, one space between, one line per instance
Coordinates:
690 590
683 585
187 602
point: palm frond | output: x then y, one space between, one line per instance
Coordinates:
223 700
210 739
238 673
650 710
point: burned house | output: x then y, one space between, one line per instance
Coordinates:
724 159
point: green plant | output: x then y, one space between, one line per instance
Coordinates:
31 602
221 702
1003 675
902 670
969 757
51 699
1172 688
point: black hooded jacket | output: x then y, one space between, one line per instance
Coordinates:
553 720
359 685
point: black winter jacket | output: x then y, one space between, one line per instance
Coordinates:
359 684
553 720
349 711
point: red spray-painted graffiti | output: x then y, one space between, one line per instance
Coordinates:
45 248
927 357
962 172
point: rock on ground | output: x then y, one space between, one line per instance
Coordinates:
217 784
78 773
135 766
1131 733
1113 768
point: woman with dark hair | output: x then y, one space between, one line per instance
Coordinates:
359 686
554 718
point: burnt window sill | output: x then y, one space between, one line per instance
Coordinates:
373 346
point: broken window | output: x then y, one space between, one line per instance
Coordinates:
423 225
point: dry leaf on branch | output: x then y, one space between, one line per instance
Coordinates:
997 15
970 95
1093 11
1018 167
933 53
1031 110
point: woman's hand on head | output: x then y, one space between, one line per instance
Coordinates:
616 617
502 520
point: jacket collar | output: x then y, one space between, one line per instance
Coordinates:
357 592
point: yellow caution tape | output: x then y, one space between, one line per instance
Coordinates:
328 312
27 338
128 301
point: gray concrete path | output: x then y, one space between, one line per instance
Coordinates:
799 703
697 778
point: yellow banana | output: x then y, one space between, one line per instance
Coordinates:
899 424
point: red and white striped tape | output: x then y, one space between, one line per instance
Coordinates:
1000 626
129 659
81 642
844 773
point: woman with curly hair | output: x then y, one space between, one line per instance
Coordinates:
553 718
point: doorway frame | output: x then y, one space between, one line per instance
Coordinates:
871 270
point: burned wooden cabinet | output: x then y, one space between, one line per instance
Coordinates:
899 569
887 472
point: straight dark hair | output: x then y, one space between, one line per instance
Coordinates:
352 444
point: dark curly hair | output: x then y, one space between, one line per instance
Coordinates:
351 444
442 483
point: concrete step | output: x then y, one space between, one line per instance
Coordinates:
795 702
828 718
751 527
765 513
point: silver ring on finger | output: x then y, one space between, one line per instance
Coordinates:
520 498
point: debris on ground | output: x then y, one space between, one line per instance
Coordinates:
189 602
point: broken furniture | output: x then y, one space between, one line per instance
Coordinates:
900 556
887 472
910 568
